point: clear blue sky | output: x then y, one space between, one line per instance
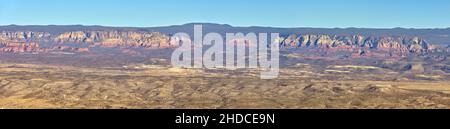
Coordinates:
275 13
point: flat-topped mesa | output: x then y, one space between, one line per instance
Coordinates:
358 42
117 38
19 47
22 41
147 39
24 36
32 47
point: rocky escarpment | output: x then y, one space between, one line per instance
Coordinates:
116 38
20 47
357 42
29 41
24 36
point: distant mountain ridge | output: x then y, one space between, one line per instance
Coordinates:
18 38
435 36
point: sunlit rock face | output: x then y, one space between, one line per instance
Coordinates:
387 43
86 38
117 38
27 41
17 47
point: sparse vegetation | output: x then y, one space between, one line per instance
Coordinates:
37 86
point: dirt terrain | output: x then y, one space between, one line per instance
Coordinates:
121 67
158 86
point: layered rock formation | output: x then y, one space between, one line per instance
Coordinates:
28 41
357 42
24 36
17 47
116 38
31 47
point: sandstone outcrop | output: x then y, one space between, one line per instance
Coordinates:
24 36
18 47
358 42
28 41
117 38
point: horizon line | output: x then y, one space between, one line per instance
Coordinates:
238 26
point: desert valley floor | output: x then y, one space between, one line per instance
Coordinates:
79 66
154 86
